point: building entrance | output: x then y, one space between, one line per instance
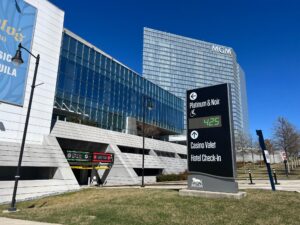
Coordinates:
86 166
86 159
82 176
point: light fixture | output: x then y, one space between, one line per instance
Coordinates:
17 59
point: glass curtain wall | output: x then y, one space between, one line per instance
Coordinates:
178 63
94 87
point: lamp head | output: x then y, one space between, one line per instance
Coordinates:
17 59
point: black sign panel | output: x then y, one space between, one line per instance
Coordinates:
209 131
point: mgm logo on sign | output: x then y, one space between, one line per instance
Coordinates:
197 183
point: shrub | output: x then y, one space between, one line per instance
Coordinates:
172 177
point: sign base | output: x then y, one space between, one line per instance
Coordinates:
207 183
209 194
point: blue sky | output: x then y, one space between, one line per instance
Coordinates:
264 34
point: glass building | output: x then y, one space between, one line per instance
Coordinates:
243 96
95 89
178 63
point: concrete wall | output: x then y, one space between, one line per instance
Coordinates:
46 42
257 157
76 131
122 171
47 155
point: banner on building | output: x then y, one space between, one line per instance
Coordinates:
17 22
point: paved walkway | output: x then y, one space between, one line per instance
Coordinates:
8 221
285 185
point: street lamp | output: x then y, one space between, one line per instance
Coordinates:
146 103
17 60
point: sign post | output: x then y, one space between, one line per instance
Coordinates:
211 157
266 156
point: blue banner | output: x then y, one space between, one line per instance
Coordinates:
17 23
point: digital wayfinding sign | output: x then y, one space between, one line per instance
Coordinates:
211 158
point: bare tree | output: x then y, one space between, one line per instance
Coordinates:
242 144
258 151
251 147
286 137
270 147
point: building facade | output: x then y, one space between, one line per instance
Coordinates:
85 102
45 169
95 88
178 63
243 97
46 40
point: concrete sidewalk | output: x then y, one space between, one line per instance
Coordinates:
285 185
8 221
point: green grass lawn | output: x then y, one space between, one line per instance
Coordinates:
151 206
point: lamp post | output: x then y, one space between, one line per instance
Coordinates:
17 59
146 103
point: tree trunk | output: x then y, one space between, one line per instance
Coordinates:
260 160
253 163
243 158
287 158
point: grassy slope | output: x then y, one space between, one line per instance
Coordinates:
148 206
